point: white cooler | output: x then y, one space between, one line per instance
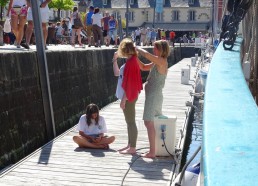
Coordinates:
168 125
185 76
193 61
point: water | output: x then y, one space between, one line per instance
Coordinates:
194 134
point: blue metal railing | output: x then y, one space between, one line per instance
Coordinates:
230 135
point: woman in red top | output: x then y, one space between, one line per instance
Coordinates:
172 36
131 87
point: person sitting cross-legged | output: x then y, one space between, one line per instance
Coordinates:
91 128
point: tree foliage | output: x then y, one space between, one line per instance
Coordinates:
61 5
3 4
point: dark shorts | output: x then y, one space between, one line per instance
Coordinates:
104 33
94 136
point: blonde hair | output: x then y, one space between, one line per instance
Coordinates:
163 47
126 48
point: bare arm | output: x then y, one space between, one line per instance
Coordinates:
85 136
115 65
157 60
45 3
9 7
144 67
28 3
85 20
149 56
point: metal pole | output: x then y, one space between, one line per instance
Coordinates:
1 36
120 29
43 71
154 12
127 16
213 20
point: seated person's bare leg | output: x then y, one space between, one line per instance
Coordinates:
84 143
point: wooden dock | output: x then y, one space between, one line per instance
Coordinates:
61 162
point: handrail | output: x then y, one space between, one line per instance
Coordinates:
230 136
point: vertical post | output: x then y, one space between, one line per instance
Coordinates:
154 12
127 16
1 36
43 71
213 20
120 29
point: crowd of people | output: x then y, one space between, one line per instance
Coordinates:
147 36
95 29
99 30
20 12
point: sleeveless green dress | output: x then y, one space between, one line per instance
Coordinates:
153 94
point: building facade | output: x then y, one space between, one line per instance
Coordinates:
178 15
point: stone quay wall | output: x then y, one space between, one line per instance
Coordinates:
77 78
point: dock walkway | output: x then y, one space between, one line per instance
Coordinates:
61 162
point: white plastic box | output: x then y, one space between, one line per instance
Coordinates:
165 127
193 61
185 76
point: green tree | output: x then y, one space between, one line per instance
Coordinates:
3 4
61 5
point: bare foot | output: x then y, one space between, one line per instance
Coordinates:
103 146
148 155
128 151
127 147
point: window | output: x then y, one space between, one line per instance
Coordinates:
147 16
192 16
131 16
159 17
116 14
62 12
104 2
191 2
131 2
175 15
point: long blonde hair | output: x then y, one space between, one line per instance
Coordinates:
126 48
163 47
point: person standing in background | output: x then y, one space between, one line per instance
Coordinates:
138 37
143 36
172 36
44 11
97 20
88 24
18 9
105 29
112 29
163 34
75 30
153 36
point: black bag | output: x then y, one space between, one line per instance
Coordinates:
77 23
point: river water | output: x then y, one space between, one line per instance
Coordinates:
194 134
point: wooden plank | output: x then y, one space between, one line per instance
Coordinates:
61 162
